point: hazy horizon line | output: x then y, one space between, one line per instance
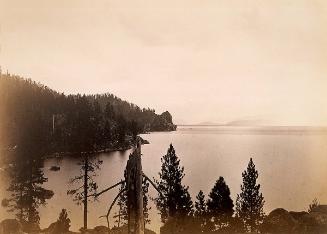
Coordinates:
273 125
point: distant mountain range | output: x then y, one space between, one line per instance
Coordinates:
247 122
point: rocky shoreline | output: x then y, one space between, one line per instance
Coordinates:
278 221
12 226
283 221
129 144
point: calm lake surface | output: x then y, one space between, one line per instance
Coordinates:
292 165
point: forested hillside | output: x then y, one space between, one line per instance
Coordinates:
37 120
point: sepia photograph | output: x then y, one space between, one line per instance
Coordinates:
163 116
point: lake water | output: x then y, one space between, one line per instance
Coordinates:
292 165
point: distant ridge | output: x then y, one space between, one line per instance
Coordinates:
247 122
244 122
203 124
262 127
265 130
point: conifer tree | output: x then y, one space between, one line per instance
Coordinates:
97 124
26 192
200 211
88 187
220 205
249 203
174 200
63 223
200 204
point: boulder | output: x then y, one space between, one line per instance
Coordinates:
279 221
314 222
318 218
282 221
54 168
299 216
101 229
52 229
56 228
10 226
124 230
31 228
320 209
98 230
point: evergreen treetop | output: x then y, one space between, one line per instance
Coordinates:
220 205
176 200
250 202
200 204
63 223
200 213
220 202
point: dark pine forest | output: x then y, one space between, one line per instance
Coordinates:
38 121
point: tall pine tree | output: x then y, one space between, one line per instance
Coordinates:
200 212
220 205
249 203
89 167
174 202
27 192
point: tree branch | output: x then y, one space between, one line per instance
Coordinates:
79 188
106 190
153 184
112 204
73 180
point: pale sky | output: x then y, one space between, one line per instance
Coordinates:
202 60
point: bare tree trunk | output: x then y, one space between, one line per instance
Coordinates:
85 190
134 193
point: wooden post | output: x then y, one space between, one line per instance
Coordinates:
134 192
